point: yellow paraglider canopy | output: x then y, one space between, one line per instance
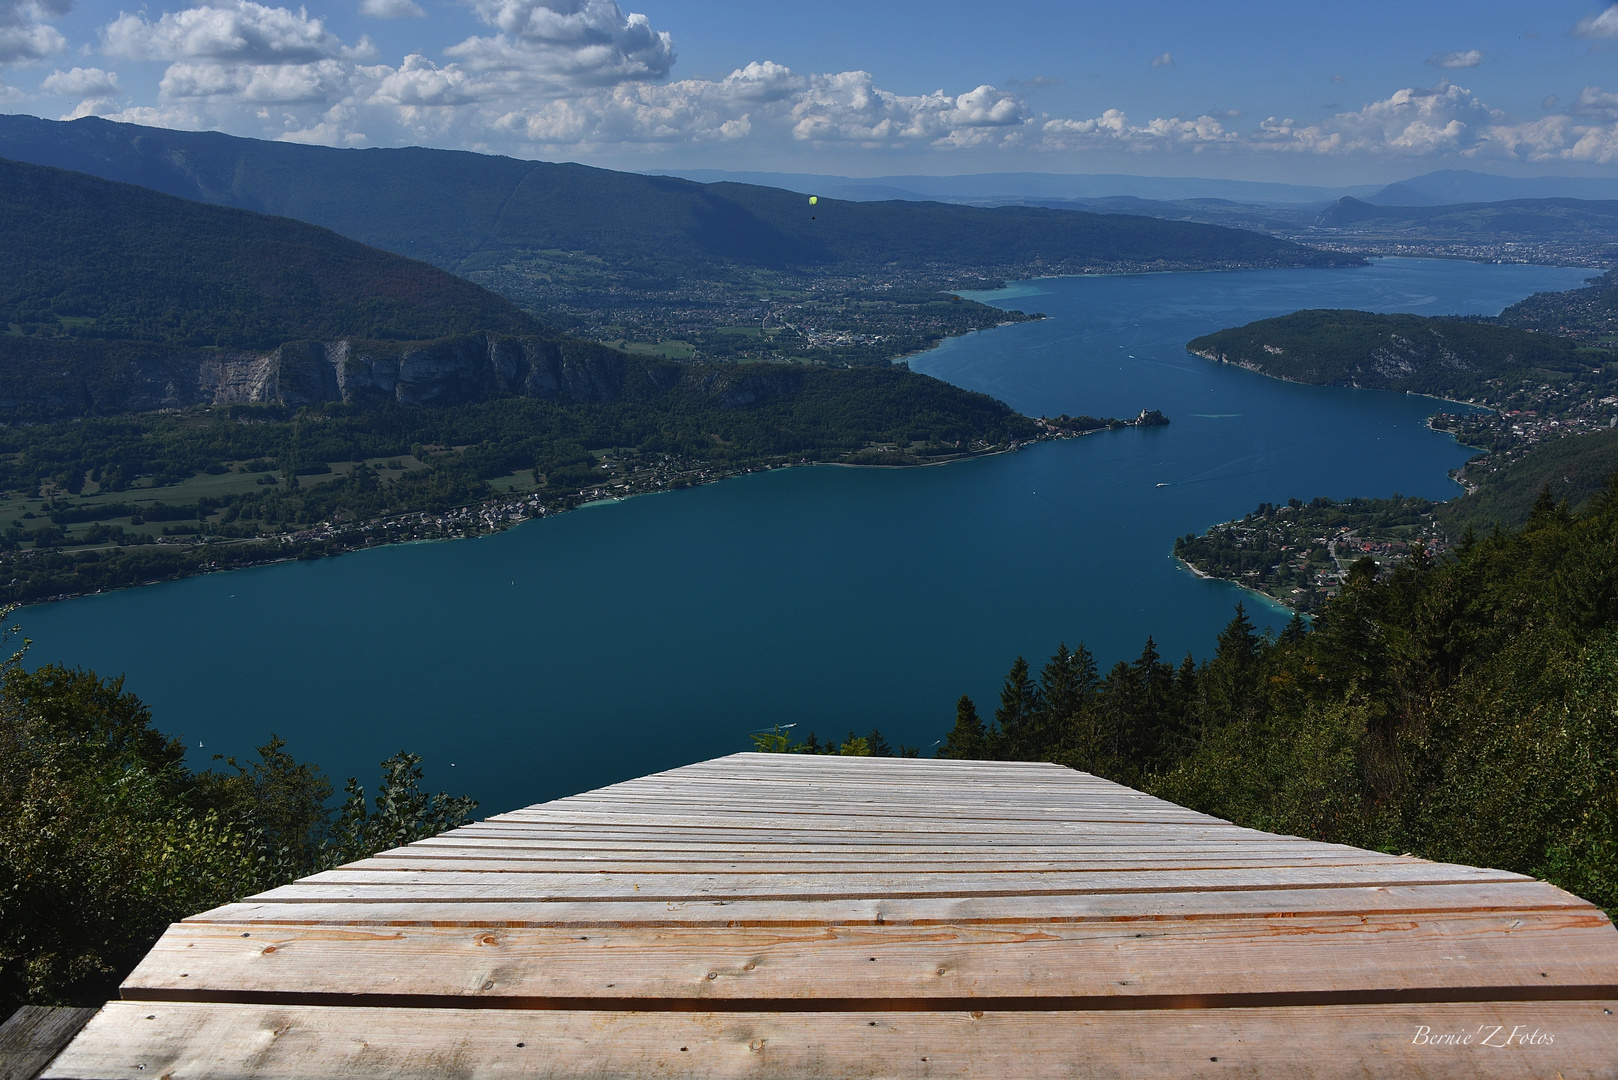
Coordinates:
813 199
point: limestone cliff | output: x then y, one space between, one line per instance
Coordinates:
74 378
449 371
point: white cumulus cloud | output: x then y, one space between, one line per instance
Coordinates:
1113 127
244 32
1603 25
320 81
418 81
391 9
81 83
566 43
95 91
849 107
1166 60
240 53
1596 102
26 32
584 77
1413 121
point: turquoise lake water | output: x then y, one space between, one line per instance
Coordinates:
635 636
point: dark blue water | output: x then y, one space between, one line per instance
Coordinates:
635 636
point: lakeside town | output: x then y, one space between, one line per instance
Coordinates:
184 550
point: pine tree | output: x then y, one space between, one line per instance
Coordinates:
1234 677
1156 715
879 746
1295 630
968 740
1018 716
1067 687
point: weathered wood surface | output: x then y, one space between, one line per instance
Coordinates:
35 1034
245 1042
796 916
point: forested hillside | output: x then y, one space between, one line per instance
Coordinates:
1573 470
1463 710
1442 357
87 259
1589 314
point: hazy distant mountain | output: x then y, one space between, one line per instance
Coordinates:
1454 186
1562 219
1022 187
468 212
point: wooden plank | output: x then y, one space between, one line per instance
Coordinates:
409 862
1574 1041
989 797
797 839
881 819
1507 897
358 884
565 843
847 822
1315 953
35 1034
1014 919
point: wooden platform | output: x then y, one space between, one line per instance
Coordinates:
811 917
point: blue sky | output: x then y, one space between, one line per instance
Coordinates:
1311 93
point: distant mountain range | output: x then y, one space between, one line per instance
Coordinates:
469 212
1449 187
1022 187
1449 207
1122 193
1536 217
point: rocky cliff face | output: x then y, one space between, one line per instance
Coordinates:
450 371
59 379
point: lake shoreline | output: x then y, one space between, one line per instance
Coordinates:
327 539
464 523
841 599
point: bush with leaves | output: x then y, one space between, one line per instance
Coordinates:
404 813
106 836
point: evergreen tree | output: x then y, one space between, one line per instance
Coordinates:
1295 631
879 746
967 740
1067 689
1019 714
1234 681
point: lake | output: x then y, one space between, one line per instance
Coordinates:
634 636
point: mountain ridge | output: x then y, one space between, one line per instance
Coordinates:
87 258
492 209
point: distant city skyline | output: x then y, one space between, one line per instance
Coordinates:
1260 91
